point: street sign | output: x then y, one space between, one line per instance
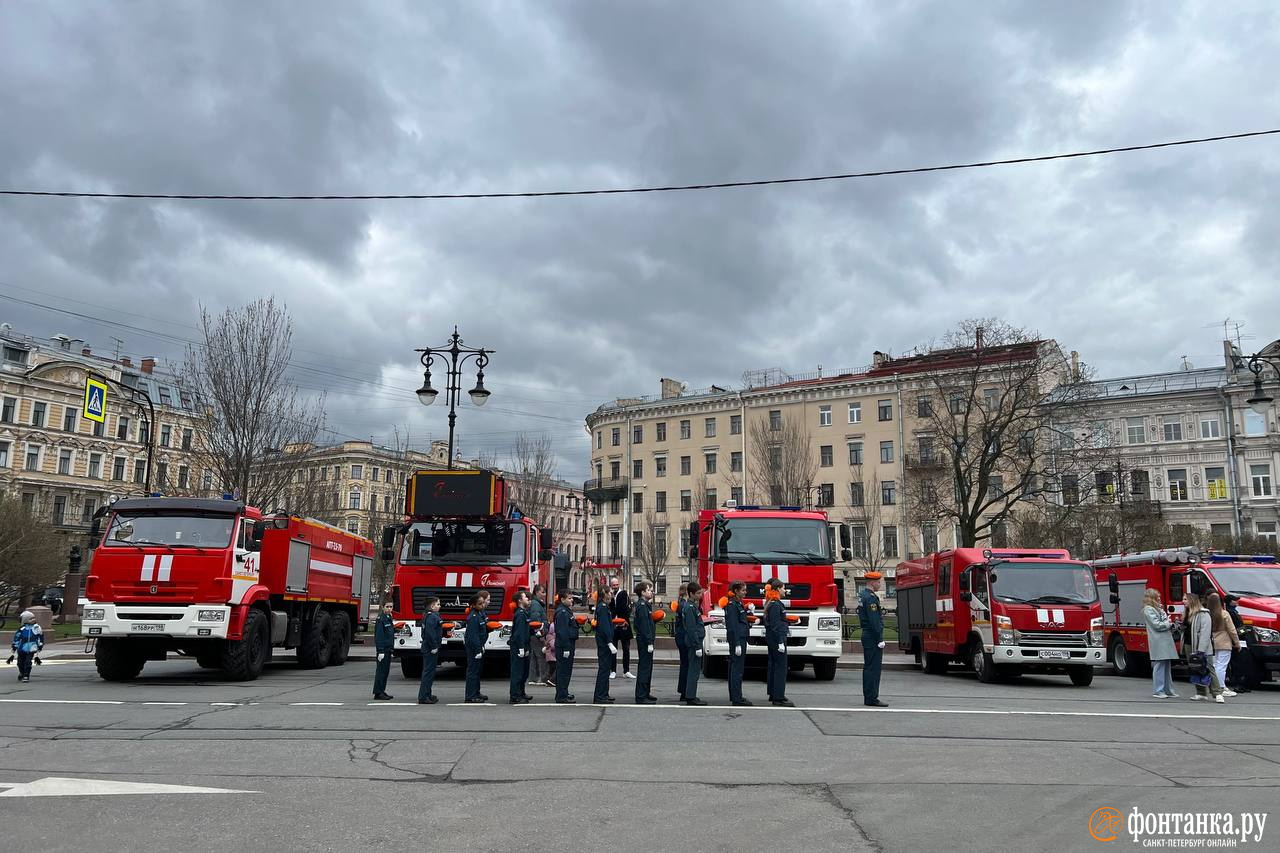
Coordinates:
95 400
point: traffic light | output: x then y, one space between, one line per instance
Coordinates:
73 559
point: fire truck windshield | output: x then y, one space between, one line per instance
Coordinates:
172 529
1248 581
494 543
769 540
1043 583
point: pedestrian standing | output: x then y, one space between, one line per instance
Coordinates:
432 636
605 649
736 631
566 641
1225 641
695 632
645 631
871 620
1200 650
677 631
519 643
473 642
1160 645
384 637
776 632
27 642
620 607
538 638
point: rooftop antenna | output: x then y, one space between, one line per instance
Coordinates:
1186 365
119 345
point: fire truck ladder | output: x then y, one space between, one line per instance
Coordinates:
1185 554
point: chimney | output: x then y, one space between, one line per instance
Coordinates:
671 388
879 359
977 339
148 365
86 351
1075 366
125 362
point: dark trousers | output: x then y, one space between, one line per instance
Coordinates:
690 690
871 657
519 673
429 662
622 639
604 666
473 674
684 667
644 672
776 680
381 673
564 672
737 664
24 664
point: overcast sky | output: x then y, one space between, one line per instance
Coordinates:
1130 259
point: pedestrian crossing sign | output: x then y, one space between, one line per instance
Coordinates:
95 400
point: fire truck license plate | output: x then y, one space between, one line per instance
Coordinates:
1053 654
157 627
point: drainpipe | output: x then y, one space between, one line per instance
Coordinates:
1237 522
902 466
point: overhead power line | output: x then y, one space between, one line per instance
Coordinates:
881 173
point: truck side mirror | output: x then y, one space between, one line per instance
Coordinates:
95 533
388 543
1113 584
255 536
966 585
544 539
846 539
846 554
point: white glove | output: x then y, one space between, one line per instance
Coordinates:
522 653
782 648
651 650
380 657
613 650
435 651
565 654
698 652
737 651
751 608
479 656
880 645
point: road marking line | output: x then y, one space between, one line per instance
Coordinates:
57 786
464 704
226 704
64 701
986 712
304 704
391 704
165 703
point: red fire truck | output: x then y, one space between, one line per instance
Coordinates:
460 537
1254 581
1001 611
218 581
737 543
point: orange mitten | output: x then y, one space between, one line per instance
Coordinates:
792 618
492 625
658 616
580 619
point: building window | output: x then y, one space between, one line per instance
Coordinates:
1266 530
139 471
924 406
165 432
637 501
1254 423
889 540
95 466
684 542
884 410
710 500
64 461
735 494
144 433
686 429
1172 429
162 473
929 537
122 428
659 501
888 493
956 404
827 494
1177 484
4 454
615 470
686 500
855 494
709 428
1210 426
926 449
373 473
357 473
38 411
117 468
637 434
187 436
208 481
886 451
661 430
710 459
87 509
33 457
353 499
184 474
637 468
686 466
7 410
824 416
324 474
775 420
599 439
615 506
1070 489
69 419
995 486
826 458
855 413
1000 535
1215 481
1135 430
858 541
15 355
991 398
660 466
60 509
637 542
735 461
1261 477
855 453
97 428
735 424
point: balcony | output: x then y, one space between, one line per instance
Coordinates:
606 489
925 462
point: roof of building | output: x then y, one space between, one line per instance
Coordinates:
1172 382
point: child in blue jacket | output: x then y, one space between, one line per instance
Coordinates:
27 643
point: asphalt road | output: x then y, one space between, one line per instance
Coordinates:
316 765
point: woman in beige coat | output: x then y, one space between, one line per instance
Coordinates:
1225 640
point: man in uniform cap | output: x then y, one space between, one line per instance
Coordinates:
871 618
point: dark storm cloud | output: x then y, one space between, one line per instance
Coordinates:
1125 258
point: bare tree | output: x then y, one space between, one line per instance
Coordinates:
782 464
652 547
32 554
866 512
992 435
532 478
256 429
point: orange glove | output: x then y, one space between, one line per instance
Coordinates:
658 616
792 618
492 625
580 619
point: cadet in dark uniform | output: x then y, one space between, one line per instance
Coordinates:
473 641
736 628
566 628
694 633
871 620
519 642
605 649
384 638
776 632
677 613
645 631
432 635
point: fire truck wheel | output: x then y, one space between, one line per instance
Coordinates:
1125 662
340 643
1082 676
117 660
824 669
313 651
243 659
983 664
935 663
411 667
716 667
211 659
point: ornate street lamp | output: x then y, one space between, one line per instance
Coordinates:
1259 361
452 357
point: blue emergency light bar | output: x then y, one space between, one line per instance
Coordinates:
1241 558
758 506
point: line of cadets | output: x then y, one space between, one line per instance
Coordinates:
690 631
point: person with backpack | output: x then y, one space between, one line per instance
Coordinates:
1199 650
1160 645
28 640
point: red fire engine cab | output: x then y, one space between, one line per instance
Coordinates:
460 536
1001 611
218 581
1253 581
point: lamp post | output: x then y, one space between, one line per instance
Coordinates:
452 357
1268 356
